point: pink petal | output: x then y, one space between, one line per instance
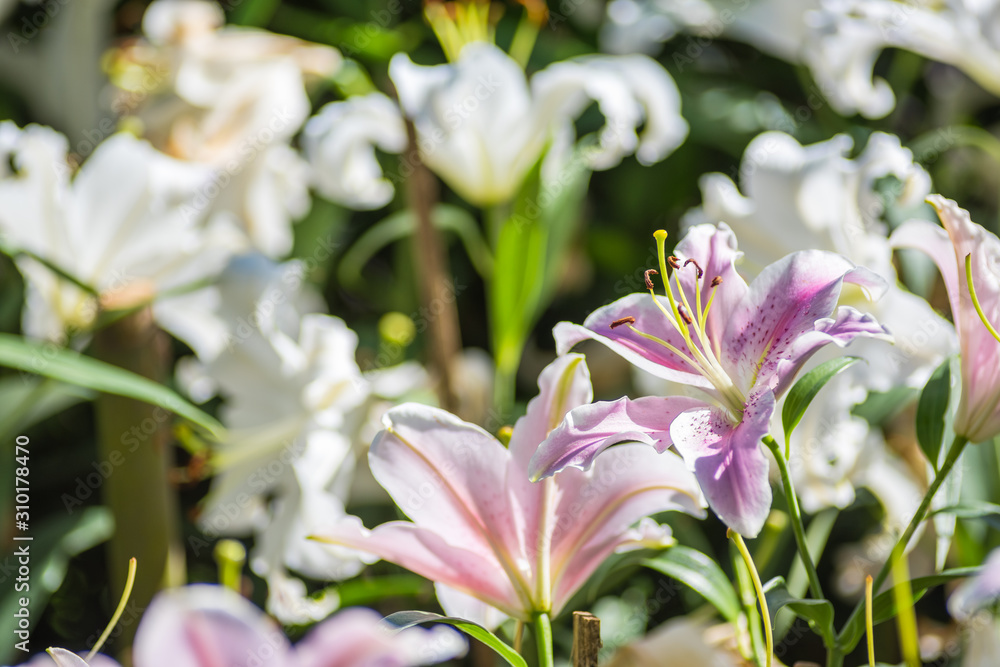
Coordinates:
642 352
596 509
465 568
590 429
63 658
207 626
783 303
563 385
978 414
357 637
714 249
448 476
728 461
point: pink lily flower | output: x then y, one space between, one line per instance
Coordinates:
978 416
212 626
481 529
737 346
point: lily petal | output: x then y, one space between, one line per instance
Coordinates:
207 626
790 299
596 508
357 637
340 142
648 355
728 461
589 430
467 568
978 416
714 248
447 475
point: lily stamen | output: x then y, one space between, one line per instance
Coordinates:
624 320
649 281
692 261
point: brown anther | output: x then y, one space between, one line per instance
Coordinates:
674 262
624 320
716 281
684 315
691 261
649 282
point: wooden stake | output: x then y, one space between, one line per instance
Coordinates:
586 639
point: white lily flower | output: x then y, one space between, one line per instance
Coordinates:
776 27
796 197
123 226
481 125
230 98
293 400
851 35
339 143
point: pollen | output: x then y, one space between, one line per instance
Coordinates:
624 320
649 281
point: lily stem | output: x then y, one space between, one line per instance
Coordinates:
797 526
543 639
957 447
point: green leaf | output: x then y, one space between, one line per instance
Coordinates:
693 568
805 390
73 368
884 605
406 619
56 541
818 613
988 512
931 410
530 251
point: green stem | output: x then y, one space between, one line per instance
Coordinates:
751 646
957 447
543 639
797 526
817 535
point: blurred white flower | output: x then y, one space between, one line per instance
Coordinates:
838 40
481 125
851 34
796 197
293 393
776 27
124 226
677 643
230 98
339 142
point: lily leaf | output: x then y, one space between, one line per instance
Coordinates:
931 410
805 390
818 613
693 568
884 605
76 369
406 619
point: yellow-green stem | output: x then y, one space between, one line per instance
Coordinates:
796 516
765 614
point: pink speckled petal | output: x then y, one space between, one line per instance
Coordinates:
589 430
785 302
728 461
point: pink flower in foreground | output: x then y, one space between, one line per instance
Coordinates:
740 346
211 626
482 529
978 416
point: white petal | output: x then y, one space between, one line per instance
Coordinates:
339 143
